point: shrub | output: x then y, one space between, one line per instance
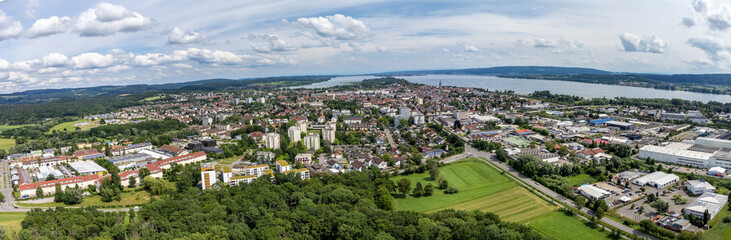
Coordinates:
451 190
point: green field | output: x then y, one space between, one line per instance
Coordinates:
720 230
581 179
482 187
11 221
128 198
6 127
6 143
69 126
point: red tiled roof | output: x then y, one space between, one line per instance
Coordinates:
64 181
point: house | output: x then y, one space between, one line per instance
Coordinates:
353 120
589 153
376 161
334 164
304 158
698 187
357 165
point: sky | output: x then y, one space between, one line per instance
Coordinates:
80 43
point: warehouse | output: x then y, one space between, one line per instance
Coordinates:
87 168
621 125
710 202
592 192
657 179
677 153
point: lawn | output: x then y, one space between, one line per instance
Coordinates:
228 161
69 126
6 126
139 197
720 229
6 143
482 187
559 225
11 221
581 179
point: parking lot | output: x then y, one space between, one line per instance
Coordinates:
631 210
633 192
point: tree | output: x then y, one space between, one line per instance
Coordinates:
132 182
50 177
651 198
131 214
443 184
563 151
73 196
580 201
706 217
383 199
429 189
404 186
419 190
144 172
451 190
660 205
158 186
59 194
433 167
599 213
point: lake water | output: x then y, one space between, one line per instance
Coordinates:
527 86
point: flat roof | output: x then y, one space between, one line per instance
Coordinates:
87 167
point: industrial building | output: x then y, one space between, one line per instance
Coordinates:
88 168
703 153
711 202
657 179
592 192
698 187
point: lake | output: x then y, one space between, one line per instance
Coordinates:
527 86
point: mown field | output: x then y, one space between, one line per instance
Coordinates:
581 179
720 229
69 126
138 197
11 221
482 187
6 143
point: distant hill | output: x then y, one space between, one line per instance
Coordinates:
508 70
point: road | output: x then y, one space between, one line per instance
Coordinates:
390 137
548 192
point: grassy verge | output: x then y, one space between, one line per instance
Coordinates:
6 143
11 221
720 229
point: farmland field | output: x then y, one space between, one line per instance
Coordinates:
69 126
6 127
484 188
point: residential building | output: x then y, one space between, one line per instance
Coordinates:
304 158
264 156
208 176
272 141
294 134
328 133
312 141
283 166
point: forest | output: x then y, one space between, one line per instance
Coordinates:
354 205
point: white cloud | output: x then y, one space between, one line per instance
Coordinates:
107 19
718 17
337 26
177 36
276 44
688 22
715 48
92 60
48 26
544 43
153 59
213 56
634 43
55 60
468 47
9 28
4 64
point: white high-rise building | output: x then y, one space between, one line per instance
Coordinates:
208 176
328 133
419 119
207 121
312 141
294 134
302 125
272 141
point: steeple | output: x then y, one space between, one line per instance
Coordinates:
440 83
